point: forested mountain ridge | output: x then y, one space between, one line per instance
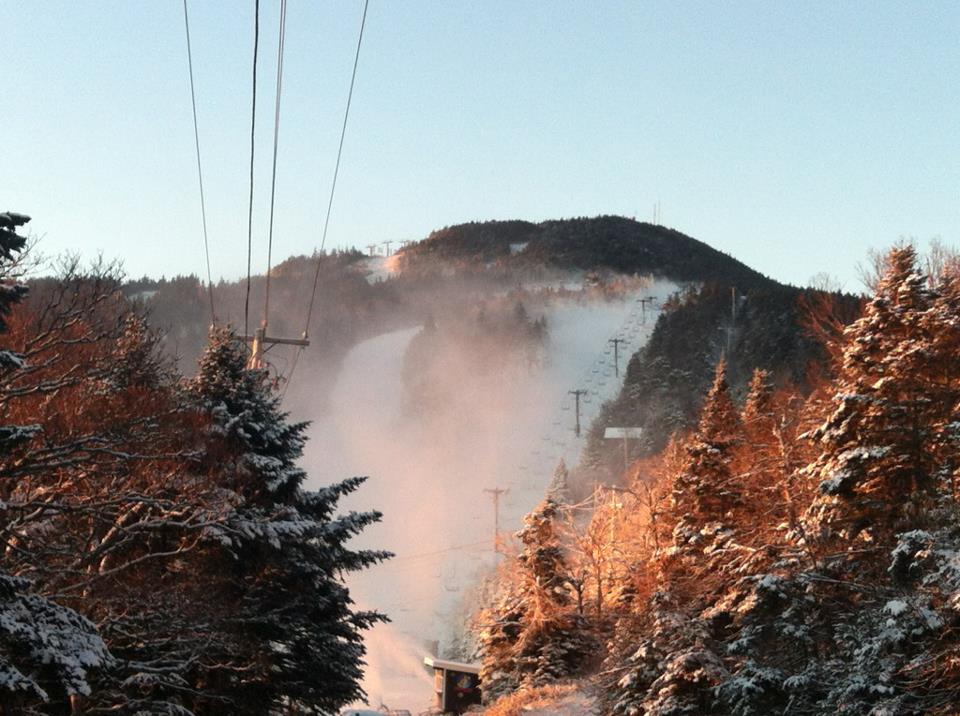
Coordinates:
726 307
613 243
346 305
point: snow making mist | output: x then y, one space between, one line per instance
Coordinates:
429 466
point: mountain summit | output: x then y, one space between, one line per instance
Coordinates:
614 243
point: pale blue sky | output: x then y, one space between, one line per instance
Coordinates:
792 135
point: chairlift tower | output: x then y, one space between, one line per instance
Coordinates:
262 343
577 394
643 307
616 354
495 493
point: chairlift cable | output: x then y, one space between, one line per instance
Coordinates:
276 135
196 138
293 367
333 188
336 169
253 126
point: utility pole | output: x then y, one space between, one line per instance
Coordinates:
387 244
576 394
643 307
372 248
495 494
616 354
733 319
262 343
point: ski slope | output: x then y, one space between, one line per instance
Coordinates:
429 478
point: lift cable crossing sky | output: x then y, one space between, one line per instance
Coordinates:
261 339
276 137
333 188
253 127
196 138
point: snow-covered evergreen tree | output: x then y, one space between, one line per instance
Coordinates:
706 490
758 407
769 459
298 635
877 466
534 634
667 665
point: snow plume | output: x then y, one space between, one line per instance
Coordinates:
490 419
396 676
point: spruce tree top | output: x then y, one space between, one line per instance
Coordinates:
11 244
878 446
705 489
759 403
247 411
719 421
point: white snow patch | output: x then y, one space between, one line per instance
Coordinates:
895 607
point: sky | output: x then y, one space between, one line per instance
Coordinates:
793 136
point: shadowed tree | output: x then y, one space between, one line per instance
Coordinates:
298 638
46 650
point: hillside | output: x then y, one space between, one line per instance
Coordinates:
458 266
794 552
606 242
666 380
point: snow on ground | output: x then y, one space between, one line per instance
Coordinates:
429 480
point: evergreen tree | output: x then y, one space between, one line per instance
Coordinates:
706 490
941 328
758 408
878 462
11 291
535 634
664 663
768 461
298 636
46 650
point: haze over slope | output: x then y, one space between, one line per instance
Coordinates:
589 280
430 465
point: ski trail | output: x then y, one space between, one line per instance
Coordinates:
428 478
